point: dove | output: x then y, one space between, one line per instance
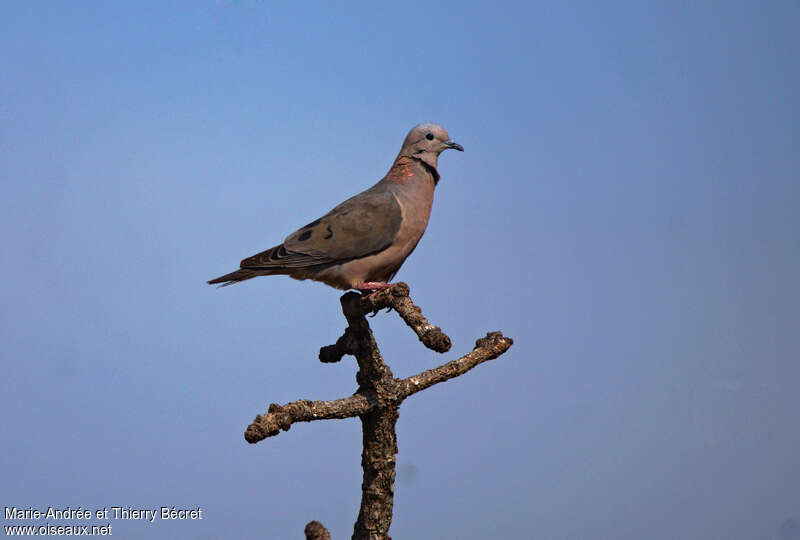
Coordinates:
362 242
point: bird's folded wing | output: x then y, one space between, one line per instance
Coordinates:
360 226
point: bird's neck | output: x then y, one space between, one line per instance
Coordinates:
411 169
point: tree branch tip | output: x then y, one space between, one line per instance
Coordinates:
494 340
436 340
316 531
256 433
334 353
330 354
349 297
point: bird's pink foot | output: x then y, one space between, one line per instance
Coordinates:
374 286
370 288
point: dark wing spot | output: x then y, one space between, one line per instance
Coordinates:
312 224
330 233
305 236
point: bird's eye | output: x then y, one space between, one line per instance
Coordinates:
429 136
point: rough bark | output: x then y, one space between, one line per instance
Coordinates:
316 531
377 400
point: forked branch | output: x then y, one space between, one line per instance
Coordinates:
377 399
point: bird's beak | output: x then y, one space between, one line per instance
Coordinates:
454 145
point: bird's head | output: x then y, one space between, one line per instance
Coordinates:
426 141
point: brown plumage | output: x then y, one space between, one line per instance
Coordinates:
362 243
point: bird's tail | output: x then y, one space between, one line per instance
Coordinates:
275 260
234 277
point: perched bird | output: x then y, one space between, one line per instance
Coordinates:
362 243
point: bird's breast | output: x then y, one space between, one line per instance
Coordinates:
415 205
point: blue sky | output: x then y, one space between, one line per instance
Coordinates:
626 209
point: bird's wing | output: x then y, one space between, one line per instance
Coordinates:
360 226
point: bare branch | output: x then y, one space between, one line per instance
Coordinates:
487 348
372 370
335 352
281 418
377 400
397 297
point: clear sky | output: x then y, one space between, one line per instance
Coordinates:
626 209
